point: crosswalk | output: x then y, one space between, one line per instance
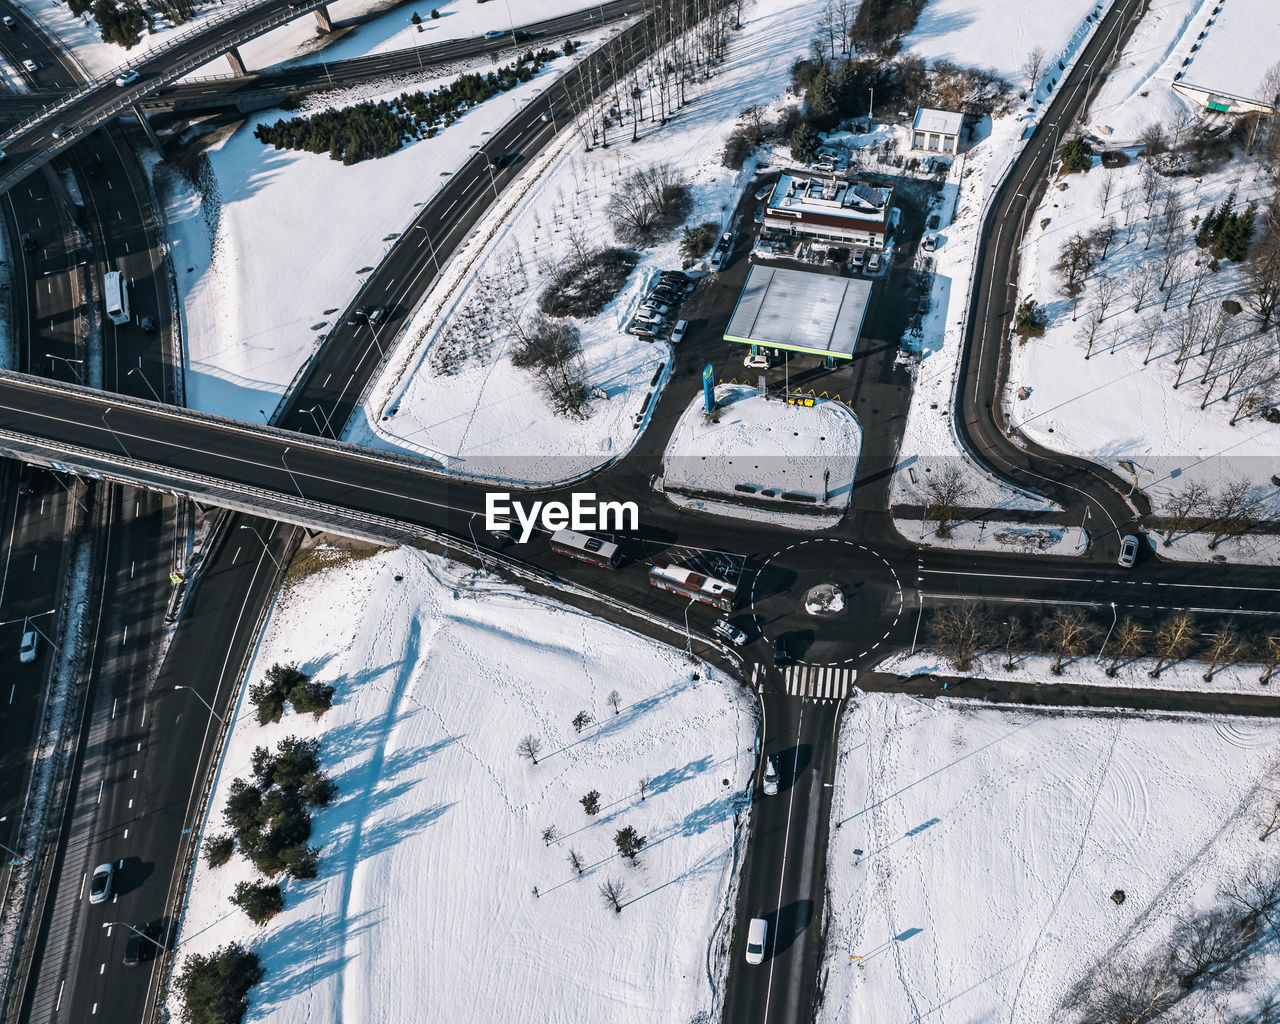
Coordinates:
817 682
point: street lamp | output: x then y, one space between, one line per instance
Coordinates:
1098 660
290 472
246 526
432 245
71 364
688 636
138 371
204 702
136 931
470 529
113 432
312 413
20 858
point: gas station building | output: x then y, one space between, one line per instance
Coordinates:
797 311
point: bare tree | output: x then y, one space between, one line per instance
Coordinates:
1171 220
1170 258
960 632
1076 259
1129 643
1103 237
1148 331
1173 639
1190 502
576 862
1140 282
581 720
1125 992
1255 389
1066 634
1256 892
529 747
613 894
1233 510
1108 288
1198 276
1208 945
549 835
1225 648
1173 269
1106 187
1014 641
1032 67
1188 331
615 700
646 781
1269 652
945 496
1153 144
1151 185
1088 331
1262 271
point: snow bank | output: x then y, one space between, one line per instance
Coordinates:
430 855
973 851
981 535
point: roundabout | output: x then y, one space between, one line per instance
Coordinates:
832 601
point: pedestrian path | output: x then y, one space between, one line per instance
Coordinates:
819 682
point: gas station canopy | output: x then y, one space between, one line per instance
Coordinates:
817 314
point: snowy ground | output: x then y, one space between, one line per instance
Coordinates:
271 253
765 445
1111 408
1130 673
1260 549
974 851
1025 538
973 36
1138 90
488 413
431 852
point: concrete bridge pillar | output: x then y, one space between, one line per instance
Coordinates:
146 127
323 20
237 63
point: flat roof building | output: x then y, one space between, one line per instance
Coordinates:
848 213
817 314
1226 69
937 131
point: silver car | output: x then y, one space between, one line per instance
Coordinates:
102 888
1128 551
770 777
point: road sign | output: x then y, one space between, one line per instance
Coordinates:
708 389
175 578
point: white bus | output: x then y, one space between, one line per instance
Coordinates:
687 583
586 548
115 292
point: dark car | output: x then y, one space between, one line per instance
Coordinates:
781 653
147 323
357 316
666 295
377 315
28 243
142 948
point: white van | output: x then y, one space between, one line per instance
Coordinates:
756 933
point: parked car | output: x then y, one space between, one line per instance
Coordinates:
770 777
859 257
495 33
28 243
930 243
143 944
759 361
376 315
873 261
31 66
923 304
757 930
29 648
60 131
781 653
730 632
641 329
664 293
678 332
1128 551
357 316
128 78
102 888
10 24
656 307
645 316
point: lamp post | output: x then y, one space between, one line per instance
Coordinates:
113 432
1098 660
312 413
688 635
10 849
470 529
71 364
431 245
136 931
265 547
138 371
290 472
202 701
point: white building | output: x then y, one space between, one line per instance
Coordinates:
936 131
831 209
1226 69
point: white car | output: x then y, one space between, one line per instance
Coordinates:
128 78
930 243
734 635
31 66
1128 551
655 307
873 261
759 361
29 647
678 332
757 930
859 255
647 316
102 887
770 777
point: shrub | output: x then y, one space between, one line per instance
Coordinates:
311 698
214 987
268 700
587 282
243 805
649 204
737 147
218 849
1076 156
301 861
260 902
697 242
1030 319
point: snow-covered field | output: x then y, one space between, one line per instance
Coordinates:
974 852
1089 670
981 535
432 850
274 250
765 445
489 411
1111 408
1138 90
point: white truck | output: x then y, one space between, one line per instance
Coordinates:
115 294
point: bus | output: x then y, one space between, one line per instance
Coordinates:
586 548
693 585
115 293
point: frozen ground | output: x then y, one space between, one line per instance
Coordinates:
1130 673
273 250
1138 90
1111 408
765 445
1258 549
980 535
430 855
973 36
486 419
298 42
974 851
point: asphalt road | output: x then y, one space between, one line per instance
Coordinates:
1071 482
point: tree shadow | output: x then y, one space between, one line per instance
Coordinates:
787 924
